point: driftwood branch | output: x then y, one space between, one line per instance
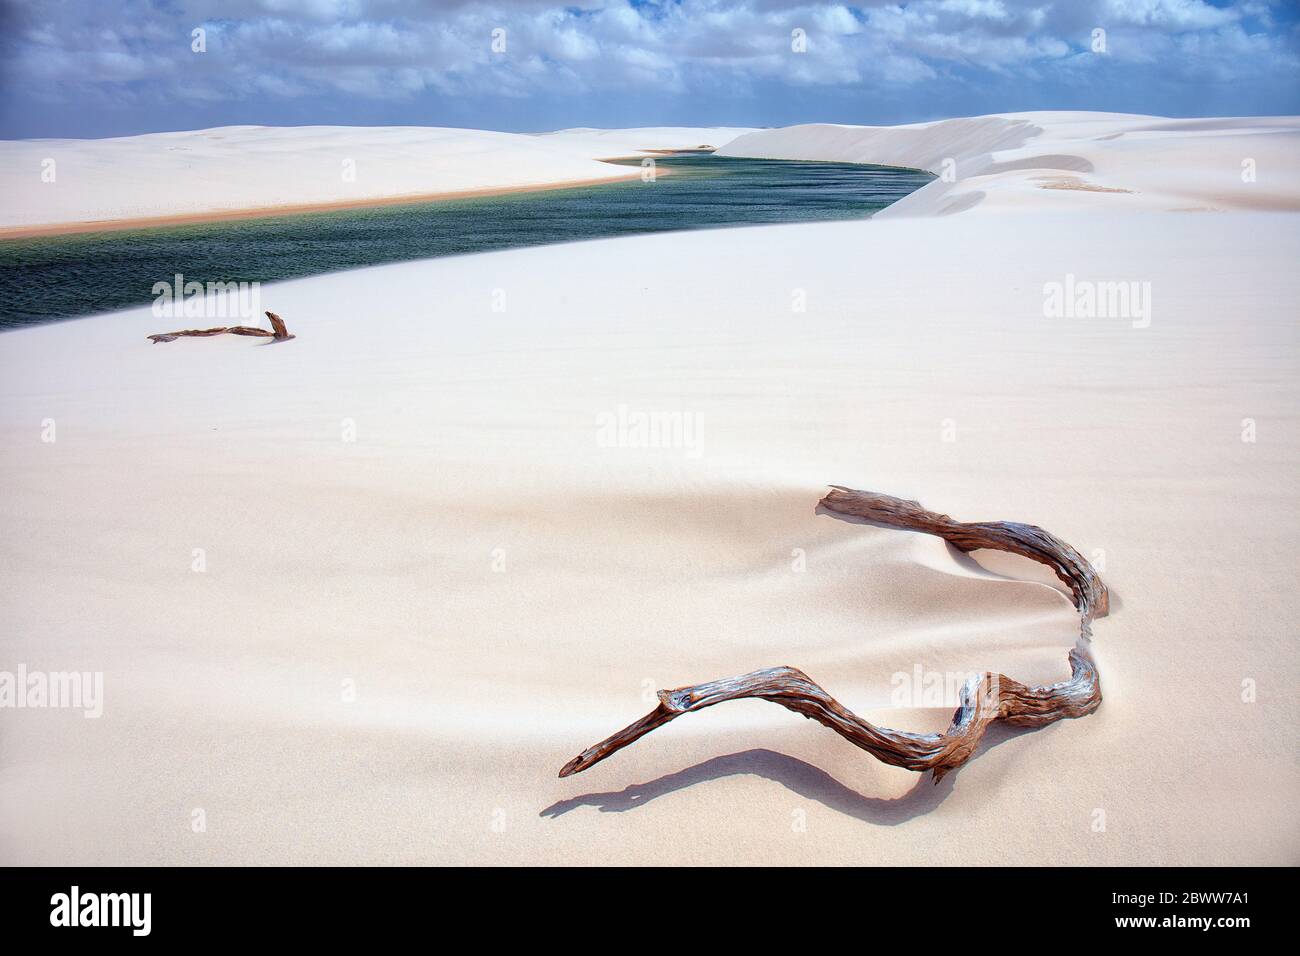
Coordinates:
984 698
278 331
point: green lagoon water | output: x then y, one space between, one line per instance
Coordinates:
58 277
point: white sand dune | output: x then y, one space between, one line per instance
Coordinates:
1089 162
235 168
501 588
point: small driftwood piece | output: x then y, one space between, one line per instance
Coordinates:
984 698
278 331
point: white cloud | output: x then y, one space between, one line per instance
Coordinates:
390 49
1168 14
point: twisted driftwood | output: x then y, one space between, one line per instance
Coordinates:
984 698
278 331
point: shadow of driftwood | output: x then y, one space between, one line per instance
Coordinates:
961 558
802 778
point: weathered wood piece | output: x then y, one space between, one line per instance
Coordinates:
984 698
278 331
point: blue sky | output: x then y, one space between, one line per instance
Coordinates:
116 67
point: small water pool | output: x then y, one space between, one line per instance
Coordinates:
56 277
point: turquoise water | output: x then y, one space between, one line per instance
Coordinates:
57 277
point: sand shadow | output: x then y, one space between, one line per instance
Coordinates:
809 782
959 557
796 775
964 559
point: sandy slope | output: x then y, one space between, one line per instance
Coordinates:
1080 161
502 588
255 167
